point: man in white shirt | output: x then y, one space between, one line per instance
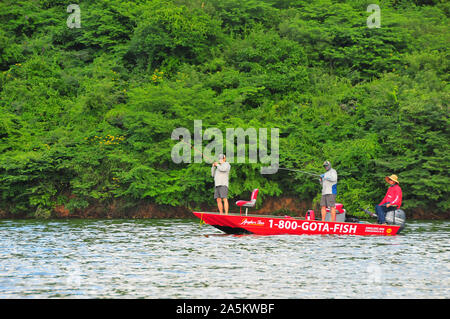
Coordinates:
221 172
329 191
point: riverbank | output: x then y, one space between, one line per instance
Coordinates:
143 209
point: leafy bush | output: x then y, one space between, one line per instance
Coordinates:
87 113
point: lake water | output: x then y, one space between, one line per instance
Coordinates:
178 258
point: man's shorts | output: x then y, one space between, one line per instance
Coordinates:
221 192
328 200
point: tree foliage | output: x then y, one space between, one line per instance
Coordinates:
87 113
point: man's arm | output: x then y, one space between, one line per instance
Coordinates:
385 199
224 167
395 197
331 176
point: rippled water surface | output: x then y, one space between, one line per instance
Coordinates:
176 258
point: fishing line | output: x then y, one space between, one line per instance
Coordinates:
192 146
299 171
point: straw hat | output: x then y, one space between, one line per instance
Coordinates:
392 178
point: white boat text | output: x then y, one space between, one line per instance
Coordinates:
339 228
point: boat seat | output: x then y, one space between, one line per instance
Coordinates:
339 208
248 203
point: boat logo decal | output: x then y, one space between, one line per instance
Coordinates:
251 222
374 229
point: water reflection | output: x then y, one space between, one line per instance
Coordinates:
179 259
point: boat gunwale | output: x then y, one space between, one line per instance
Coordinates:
291 217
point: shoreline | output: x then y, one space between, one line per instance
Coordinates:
118 209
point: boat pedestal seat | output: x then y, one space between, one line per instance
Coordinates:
339 208
248 203
340 213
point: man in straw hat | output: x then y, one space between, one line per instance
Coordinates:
392 200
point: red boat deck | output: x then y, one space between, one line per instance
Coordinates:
278 225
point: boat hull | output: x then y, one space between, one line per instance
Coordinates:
276 225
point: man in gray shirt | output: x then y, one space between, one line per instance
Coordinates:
221 172
329 191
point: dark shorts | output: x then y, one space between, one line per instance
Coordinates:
220 192
328 200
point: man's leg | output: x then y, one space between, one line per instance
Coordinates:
219 204
225 205
323 210
323 207
381 213
333 214
332 204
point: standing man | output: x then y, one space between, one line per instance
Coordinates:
221 172
391 201
329 191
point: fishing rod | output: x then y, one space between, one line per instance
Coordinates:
282 168
201 153
297 170
368 212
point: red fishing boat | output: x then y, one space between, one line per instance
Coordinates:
237 223
276 225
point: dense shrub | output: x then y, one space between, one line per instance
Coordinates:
87 113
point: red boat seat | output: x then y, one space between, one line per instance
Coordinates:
339 208
248 203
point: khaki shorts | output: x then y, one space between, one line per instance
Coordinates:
328 200
220 192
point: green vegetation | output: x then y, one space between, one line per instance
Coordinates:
87 113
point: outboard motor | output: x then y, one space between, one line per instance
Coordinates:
396 217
